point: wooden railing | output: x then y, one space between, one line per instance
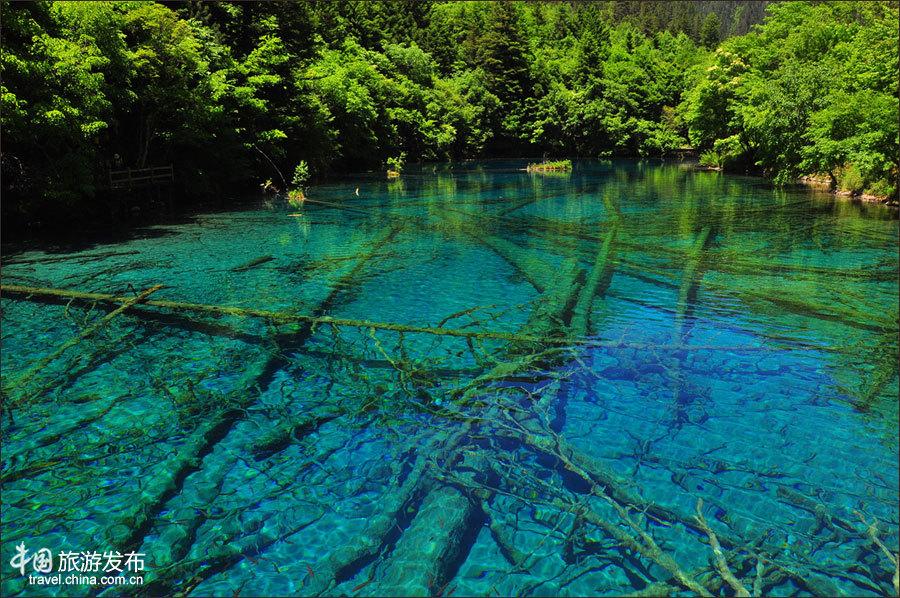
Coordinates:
141 177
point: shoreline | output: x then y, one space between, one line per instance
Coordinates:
818 183
825 184
149 217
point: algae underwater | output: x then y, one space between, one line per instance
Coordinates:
630 378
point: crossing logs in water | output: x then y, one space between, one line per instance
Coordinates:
133 528
23 380
350 559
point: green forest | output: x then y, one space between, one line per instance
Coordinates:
235 94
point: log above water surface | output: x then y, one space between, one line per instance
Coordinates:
275 316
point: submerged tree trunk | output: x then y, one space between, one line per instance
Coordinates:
129 534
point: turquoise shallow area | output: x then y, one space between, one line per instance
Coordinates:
679 336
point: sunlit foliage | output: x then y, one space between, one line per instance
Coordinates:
234 94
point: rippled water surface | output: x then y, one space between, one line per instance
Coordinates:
657 337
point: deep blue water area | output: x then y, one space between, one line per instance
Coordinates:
508 384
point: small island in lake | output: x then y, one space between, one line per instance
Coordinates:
551 166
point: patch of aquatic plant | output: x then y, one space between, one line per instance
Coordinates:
550 166
395 165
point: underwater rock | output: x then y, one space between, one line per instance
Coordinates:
618 373
768 366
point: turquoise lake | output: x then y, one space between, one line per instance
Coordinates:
628 343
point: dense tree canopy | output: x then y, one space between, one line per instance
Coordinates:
236 93
811 90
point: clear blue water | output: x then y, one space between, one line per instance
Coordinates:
737 344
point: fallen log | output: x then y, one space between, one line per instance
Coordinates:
129 534
152 319
690 280
525 203
168 580
598 281
26 377
345 560
275 441
11 471
729 262
644 545
505 541
63 378
641 542
419 565
735 265
66 258
829 312
24 293
253 263
411 567
275 316
881 384
802 307
551 316
534 269
894 559
517 206
598 476
565 308
721 563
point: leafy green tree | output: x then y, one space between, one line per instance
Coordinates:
234 93
709 32
54 105
812 90
504 56
301 174
464 106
